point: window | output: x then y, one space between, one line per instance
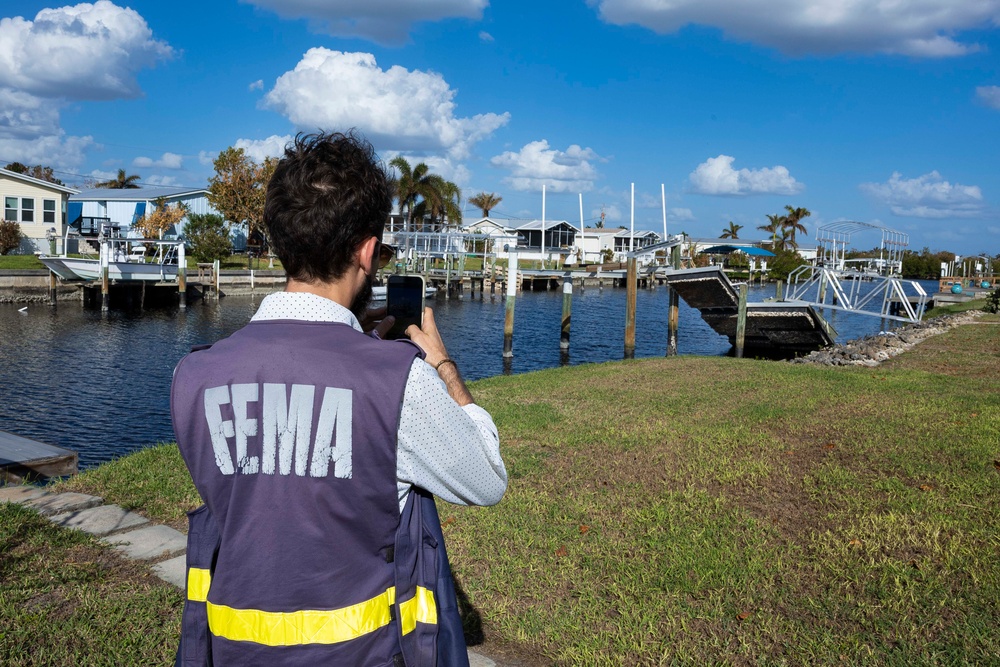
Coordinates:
27 209
10 208
49 211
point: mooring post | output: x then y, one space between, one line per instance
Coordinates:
822 287
182 275
741 322
447 276
779 291
673 320
630 286
105 283
461 275
508 319
216 269
52 288
567 312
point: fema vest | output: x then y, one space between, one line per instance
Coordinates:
302 557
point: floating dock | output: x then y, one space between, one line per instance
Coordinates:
786 325
22 459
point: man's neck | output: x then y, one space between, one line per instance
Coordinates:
338 291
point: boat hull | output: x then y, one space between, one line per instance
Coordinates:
72 268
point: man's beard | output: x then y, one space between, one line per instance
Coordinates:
361 300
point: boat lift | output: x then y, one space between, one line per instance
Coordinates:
901 300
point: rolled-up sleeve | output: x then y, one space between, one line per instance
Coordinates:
450 450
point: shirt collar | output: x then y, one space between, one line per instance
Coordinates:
304 307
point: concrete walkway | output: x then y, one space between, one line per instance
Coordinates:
133 535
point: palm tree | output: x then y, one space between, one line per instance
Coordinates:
121 182
776 223
413 183
793 221
784 241
732 232
440 201
485 202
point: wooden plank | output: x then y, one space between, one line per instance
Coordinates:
23 458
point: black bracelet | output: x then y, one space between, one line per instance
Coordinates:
444 361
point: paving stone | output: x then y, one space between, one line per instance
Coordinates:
477 660
58 503
173 571
99 521
148 543
20 493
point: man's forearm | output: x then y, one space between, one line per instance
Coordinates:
454 383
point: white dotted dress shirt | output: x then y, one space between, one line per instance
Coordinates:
450 450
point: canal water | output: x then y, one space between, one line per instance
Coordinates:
100 384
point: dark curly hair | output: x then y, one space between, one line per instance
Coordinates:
328 194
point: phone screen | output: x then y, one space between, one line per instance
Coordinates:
405 301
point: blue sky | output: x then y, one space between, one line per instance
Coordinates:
876 111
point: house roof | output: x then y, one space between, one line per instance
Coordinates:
548 224
642 233
135 194
37 181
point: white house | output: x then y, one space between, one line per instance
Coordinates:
546 240
124 207
38 206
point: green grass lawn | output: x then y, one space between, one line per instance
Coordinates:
685 510
20 262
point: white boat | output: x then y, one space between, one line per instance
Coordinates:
77 268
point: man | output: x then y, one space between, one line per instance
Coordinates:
314 445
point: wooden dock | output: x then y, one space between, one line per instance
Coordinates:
22 459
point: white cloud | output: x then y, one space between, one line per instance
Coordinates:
989 95
30 132
168 161
161 180
680 214
716 176
82 52
88 51
383 21
207 158
928 196
927 29
397 109
560 171
485 36
260 149
256 85
99 175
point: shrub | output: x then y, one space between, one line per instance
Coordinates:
10 236
783 263
208 236
993 302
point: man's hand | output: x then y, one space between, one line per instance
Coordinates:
376 319
429 340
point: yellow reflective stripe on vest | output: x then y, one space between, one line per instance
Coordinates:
419 608
198 582
295 628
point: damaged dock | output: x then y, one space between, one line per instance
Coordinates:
792 326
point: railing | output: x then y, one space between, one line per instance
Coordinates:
813 285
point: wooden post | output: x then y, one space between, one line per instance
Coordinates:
216 269
741 322
673 320
482 287
461 274
508 319
822 287
447 276
105 284
52 288
566 312
182 275
630 286
779 291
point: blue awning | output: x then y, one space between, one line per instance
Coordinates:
749 250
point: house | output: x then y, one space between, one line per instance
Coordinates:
546 240
40 207
593 243
124 207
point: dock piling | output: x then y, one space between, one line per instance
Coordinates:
779 291
673 320
567 311
52 288
630 281
508 319
181 276
741 322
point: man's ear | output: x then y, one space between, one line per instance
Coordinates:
365 254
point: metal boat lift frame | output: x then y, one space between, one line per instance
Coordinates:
833 238
824 282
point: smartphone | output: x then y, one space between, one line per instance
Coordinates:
404 300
